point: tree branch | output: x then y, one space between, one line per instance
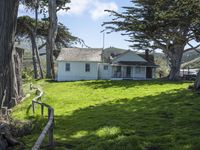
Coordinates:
62 8
43 45
192 48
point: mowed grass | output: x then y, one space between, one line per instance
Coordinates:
118 115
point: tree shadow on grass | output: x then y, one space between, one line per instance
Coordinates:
125 83
162 122
95 84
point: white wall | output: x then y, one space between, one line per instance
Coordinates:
154 73
129 56
105 74
77 71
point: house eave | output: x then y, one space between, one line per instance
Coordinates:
136 65
77 61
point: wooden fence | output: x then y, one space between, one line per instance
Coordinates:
48 129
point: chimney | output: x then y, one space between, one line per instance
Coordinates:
147 55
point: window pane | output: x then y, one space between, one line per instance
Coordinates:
67 67
105 67
87 67
138 69
118 68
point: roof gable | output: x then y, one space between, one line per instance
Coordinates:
128 56
80 54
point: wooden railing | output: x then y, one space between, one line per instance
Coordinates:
48 129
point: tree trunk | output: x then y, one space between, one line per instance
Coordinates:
35 53
34 45
16 77
39 63
197 82
175 54
34 59
8 18
53 27
35 36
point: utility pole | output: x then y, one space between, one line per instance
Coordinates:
103 39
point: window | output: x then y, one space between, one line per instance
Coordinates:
67 67
87 67
105 67
139 70
118 68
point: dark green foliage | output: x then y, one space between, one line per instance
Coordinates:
26 24
43 4
158 23
27 74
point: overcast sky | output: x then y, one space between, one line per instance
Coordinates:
85 17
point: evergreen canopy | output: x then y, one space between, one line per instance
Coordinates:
26 24
159 23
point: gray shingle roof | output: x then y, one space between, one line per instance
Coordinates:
80 54
139 63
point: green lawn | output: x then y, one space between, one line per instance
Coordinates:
119 115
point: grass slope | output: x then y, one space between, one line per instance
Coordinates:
119 115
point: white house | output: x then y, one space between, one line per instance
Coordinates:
92 64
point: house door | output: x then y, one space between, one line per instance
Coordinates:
149 72
128 72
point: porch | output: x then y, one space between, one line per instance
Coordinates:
121 72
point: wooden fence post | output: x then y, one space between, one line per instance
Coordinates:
37 92
50 132
31 86
33 105
50 124
42 110
49 113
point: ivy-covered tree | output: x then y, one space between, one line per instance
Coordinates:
169 25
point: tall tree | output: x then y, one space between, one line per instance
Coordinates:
8 17
53 7
53 28
168 25
36 5
25 27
